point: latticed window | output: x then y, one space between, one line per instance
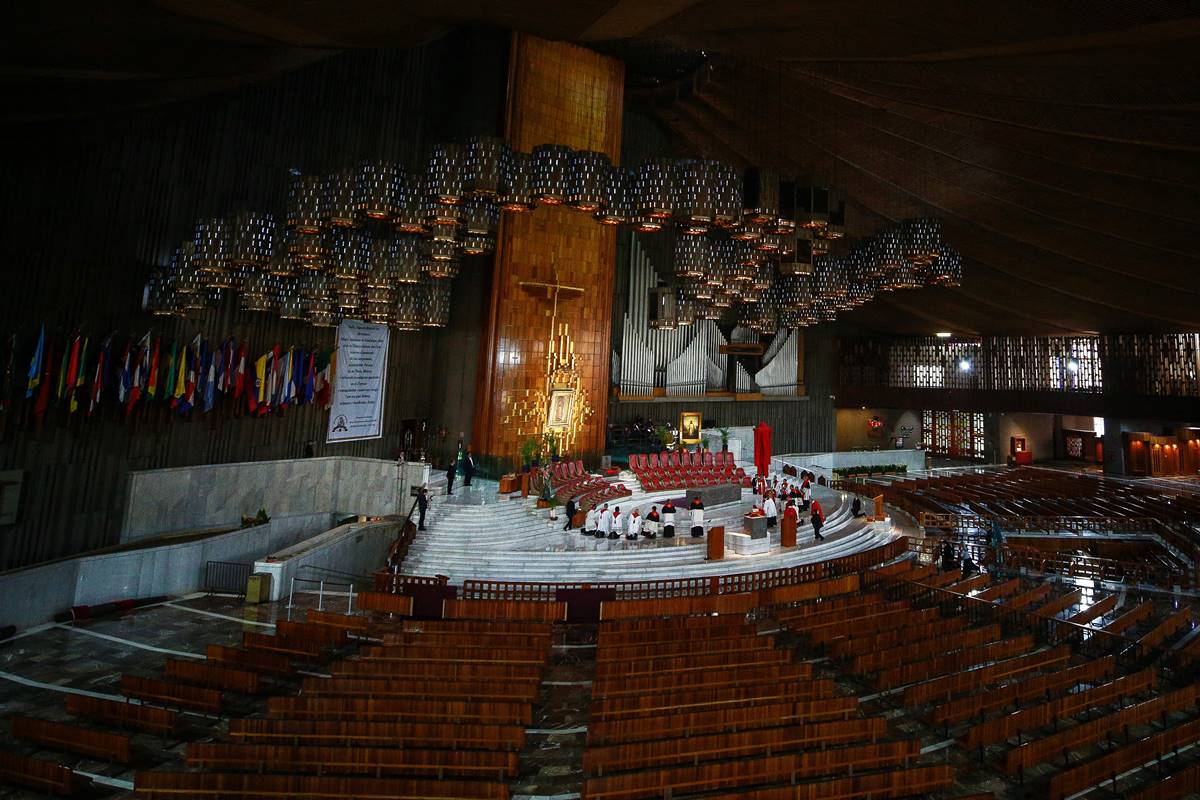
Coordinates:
959 434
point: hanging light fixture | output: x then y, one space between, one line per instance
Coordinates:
697 188
350 251
304 203
761 195
693 257
946 270
211 245
728 196
252 240
587 180
654 190
516 189
290 303
617 208
551 164
484 168
784 224
812 207
410 203
685 308
308 251
437 309
662 308
338 203
281 263
835 228
480 217
922 236
410 310
406 259
376 189
800 260
444 178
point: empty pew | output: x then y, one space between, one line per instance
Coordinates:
1048 747
329 635
300 649
970 584
944 687
212 675
1033 718
691 663
349 760
270 663
909 782
619 686
1185 783
175 695
158 721
634 652
246 785
804 619
670 726
871 624
1094 611
1168 627
491 627
644 755
810 590
530 641
922 649
679 606
1130 618
425 654
73 738
707 699
432 688
1122 759
902 635
735 627
1000 590
953 662
1026 599
1059 604
749 771
457 670
682 622
527 610
349 623
44 776
350 708
386 603
999 697
457 736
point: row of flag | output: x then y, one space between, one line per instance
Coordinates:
184 376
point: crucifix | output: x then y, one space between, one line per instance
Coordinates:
552 292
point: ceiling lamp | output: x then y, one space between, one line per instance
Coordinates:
587 180
662 308
437 307
764 279
281 263
410 309
654 190
693 257
440 214
480 217
347 296
769 243
316 292
210 245
800 260
836 227
379 263
728 185
290 304
483 172
380 300
410 203
921 239
338 202
947 269
709 311
784 224
349 252
252 239
376 189
761 195
551 164
697 187
304 203
748 231
516 188
722 300
406 259
308 251
444 178
617 208
440 263
812 206
259 293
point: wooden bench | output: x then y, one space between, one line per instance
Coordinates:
1120 760
749 771
943 580
970 584
212 675
921 649
999 697
1130 618
1092 612
352 708
638 652
799 618
1030 597
387 603
670 726
810 590
491 627
707 699
299 649
350 623
405 687
739 744
943 688
620 686
328 635
351 760
457 670
1168 627
682 622
953 662
73 738
158 721
691 663
910 782
908 634
174 695
528 641
1185 783
735 627
1032 718
425 654
680 606
247 786
520 610
1085 733
1000 590
468 736
270 663
34 773
1059 604
825 604
871 624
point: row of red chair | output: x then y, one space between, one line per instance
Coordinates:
571 479
639 461
673 470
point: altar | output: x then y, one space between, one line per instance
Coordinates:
716 495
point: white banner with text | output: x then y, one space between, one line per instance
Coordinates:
358 381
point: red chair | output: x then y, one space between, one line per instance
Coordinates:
708 459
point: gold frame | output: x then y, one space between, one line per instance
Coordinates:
683 417
553 421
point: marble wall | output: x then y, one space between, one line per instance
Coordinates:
336 556
217 495
825 463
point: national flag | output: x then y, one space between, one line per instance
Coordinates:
325 367
213 359
225 367
170 368
125 380
188 373
239 374
80 373
285 388
43 399
299 359
203 361
60 385
258 395
102 360
35 364
180 382
310 375
152 379
73 365
6 377
138 377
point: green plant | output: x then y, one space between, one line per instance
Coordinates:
724 436
550 443
529 450
665 437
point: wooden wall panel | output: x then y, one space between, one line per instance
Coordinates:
560 94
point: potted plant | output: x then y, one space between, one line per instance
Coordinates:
529 451
665 436
551 444
724 438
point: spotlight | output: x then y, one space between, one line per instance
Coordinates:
964 365
1072 365
943 334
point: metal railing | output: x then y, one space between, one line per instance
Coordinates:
324 590
226 577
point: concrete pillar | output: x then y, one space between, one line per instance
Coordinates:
1114 450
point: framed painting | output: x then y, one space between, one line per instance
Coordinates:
562 409
689 427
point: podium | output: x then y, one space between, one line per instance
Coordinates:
716 543
787 530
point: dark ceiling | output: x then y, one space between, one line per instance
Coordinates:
1058 141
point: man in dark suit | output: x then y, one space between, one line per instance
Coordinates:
468 468
422 507
570 514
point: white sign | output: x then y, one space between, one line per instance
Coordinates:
358 381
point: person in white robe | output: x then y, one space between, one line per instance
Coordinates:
635 525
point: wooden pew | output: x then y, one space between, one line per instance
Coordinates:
679 606
739 744
433 688
158 721
828 604
707 699
455 736
943 580
1130 618
750 771
970 584
902 635
918 650
1059 604
619 686
270 663
637 652
1085 733
735 627
691 663
670 623
672 726
456 670
299 649
1185 783
1000 590
1168 627
910 782
355 708
1122 759
423 653
1094 611
212 675
1032 718
528 641
999 697
350 623
953 662
329 635
810 590
490 627
386 603
803 618
944 687
376 761
520 610
73 738
871 624
246 785
1030 597
174 695
44 776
